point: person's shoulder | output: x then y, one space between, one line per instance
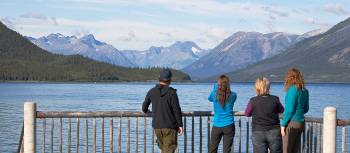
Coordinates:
153 89
254 98
233 93
274 97
292 89
306 91
172 90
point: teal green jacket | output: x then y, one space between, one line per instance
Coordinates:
297 104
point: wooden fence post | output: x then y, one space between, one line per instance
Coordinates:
29 138
329 130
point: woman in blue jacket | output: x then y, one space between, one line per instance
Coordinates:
297 104
223 100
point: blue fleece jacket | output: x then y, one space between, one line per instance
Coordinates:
297 104
223 116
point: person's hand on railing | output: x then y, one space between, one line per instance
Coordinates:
283 131
145 112
180 130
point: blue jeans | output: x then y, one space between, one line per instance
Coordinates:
264 140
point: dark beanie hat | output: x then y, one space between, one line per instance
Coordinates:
165 74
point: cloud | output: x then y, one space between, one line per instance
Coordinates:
9 22
54 21
37 17
216 34
312 21
273 12
34 15
198 7
336 9
129 37
269 25
80 32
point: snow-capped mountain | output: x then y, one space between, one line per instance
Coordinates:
238 51
311 34
177 55
86 46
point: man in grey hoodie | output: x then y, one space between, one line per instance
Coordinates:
166 112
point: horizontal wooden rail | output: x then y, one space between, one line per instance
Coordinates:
69 114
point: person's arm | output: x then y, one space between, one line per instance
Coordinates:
249 109
146 103
177 109
212 94
280 108
306 105
291 99
234 98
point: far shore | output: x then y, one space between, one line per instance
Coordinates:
154 81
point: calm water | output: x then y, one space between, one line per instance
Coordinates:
129 96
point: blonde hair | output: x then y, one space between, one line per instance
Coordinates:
294 77
262 86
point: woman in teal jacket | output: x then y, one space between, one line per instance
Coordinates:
296 105
223 100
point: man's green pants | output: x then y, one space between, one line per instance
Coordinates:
167 140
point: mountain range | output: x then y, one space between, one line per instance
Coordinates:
21 60
177 55
86 46
235 52
322 58
242 49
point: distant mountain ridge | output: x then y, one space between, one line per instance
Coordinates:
235 52
322 58
21 60
86 46
177 55
242 49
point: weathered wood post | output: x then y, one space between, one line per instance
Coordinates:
29 137
329 130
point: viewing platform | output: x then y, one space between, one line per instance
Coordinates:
131 131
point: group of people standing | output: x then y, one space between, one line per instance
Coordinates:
265 109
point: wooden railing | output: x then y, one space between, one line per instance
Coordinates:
103 136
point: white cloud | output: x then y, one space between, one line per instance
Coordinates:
9 22
216 34
139 33
336 9
124 34
204 7
34 15
313 21
80 32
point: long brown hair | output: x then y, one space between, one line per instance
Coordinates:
294 77
224 91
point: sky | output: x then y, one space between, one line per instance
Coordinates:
139 24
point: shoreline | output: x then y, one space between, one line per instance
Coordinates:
150 82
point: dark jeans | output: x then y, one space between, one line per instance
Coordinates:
264 140
228 132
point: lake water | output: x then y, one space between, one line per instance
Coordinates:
129 97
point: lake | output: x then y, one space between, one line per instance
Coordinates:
129 97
